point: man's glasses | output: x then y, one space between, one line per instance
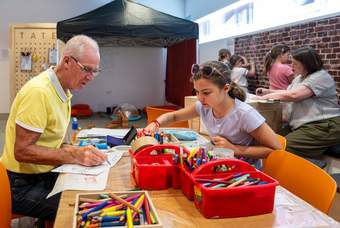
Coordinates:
86 69
206 70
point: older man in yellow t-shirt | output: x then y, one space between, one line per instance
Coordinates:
37 126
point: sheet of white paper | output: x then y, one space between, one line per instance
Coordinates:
80 169
97 132
291 211
113 158
67 181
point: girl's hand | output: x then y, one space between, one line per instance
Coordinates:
152 127
219 141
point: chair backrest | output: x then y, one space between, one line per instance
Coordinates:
302 178
5 198
153 112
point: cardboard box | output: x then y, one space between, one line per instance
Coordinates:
271 111
96 195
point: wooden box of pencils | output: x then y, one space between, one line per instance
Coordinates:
115 209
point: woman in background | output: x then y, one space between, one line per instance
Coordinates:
231 123
315 113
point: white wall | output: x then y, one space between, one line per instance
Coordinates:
209 51
34 11
133 75
51 11
195 9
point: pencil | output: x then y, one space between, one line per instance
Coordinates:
147 211
129 218
114 196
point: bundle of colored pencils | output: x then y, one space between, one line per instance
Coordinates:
115 210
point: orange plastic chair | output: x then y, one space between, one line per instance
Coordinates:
5 198
302 178
283 143
153 112
6 202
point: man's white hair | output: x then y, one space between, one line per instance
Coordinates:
77 45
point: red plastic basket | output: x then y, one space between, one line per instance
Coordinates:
154 170
186 177
237 201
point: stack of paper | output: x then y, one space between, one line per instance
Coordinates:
78 177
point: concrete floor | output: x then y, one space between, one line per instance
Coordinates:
101 121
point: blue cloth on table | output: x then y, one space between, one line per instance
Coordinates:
183 135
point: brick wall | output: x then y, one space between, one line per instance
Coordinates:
323 35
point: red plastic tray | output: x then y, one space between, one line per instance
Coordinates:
237 201
186 177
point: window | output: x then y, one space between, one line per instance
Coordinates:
247 16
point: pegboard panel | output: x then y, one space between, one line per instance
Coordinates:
33 49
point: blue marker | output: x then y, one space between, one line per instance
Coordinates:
156 136
241 177
198 161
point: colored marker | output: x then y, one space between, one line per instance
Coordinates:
212 181
242 179
218 186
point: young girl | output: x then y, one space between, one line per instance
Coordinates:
275 67
240 72
231 123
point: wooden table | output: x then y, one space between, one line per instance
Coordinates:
175 210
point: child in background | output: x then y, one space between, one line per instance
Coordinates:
275 67
231 123
239 73
224 56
